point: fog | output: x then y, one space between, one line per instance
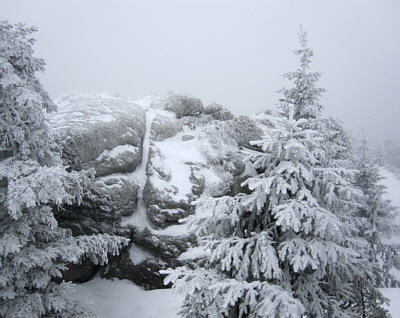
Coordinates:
230 52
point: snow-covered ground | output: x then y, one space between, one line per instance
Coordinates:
123 299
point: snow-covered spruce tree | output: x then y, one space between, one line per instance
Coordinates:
280 251
376 226
33 249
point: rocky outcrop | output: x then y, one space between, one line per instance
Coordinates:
88 125
182 105
105 133
184 162
164 127
173 181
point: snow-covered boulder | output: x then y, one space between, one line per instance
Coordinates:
121 194
173 180
182 105
164 127
218 112
163 208
90 129
120 159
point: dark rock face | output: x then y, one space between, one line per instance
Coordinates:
108 199
145 274
144 269
164 127
80 273
84 220
182 105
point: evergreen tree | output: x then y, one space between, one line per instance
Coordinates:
304 95
280 251
33 249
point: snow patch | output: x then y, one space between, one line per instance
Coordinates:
116 151
123 299
173 158
194 253
139 217
79 109
392 183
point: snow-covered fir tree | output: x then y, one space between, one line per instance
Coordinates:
33 181
282 250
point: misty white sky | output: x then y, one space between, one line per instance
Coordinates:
231 52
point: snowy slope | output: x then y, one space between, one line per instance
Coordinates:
393 194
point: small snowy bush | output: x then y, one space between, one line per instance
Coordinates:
243 130
183 105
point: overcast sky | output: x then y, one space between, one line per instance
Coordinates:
230 52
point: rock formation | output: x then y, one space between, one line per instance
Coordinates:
152 159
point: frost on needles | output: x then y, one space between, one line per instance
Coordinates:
292 246
33 182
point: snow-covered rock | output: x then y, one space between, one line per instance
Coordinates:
153 159
88 125
164 127
120 159
121 193
173 183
